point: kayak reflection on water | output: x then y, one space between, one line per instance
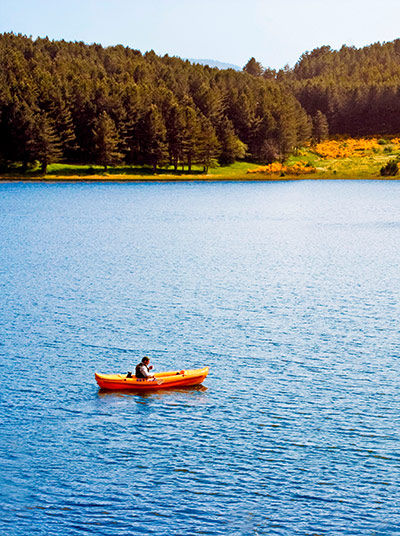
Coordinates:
104 393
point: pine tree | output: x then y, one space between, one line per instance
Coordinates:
231 146
106 142
65 129
304 129
320 128
16 133
269 151
287 134
264 128
135 102
241 114
190 139
253 67
209 101
44 142
208 146
175 131
154 138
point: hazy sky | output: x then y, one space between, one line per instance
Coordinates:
276 32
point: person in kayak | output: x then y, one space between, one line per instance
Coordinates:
142 370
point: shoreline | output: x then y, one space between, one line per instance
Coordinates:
184 178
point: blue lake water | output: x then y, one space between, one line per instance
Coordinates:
290 291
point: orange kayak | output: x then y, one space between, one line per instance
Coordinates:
162 380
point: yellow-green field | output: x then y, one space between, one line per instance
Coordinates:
354 167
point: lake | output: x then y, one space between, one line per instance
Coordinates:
289 291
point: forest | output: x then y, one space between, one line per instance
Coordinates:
75 102
357 90
80 103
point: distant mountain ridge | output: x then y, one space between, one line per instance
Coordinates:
216 63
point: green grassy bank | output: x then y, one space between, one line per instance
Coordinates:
365 166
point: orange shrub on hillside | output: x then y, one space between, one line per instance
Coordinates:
299 168
346 148
349 147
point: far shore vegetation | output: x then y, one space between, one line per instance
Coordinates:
72 111
340 158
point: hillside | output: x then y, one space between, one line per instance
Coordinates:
89 104
357 90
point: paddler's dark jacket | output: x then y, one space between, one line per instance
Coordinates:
142 371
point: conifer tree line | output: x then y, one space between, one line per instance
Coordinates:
354 91
80 103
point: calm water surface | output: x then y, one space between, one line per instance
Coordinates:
289 291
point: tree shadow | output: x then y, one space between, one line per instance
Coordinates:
120 170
